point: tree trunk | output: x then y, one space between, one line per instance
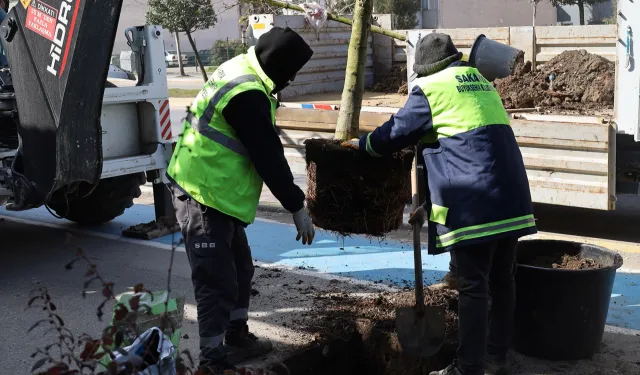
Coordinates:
349 116
581 8
198 61
177 36
535 11
534 46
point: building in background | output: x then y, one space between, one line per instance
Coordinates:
134 14
434 14
447 14
593 14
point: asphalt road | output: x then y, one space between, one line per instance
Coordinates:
193 80
35 255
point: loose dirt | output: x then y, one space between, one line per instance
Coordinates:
347 194
568 262
395 81
576 263
337 311
582 83
356 335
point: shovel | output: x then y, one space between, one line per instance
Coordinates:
420 328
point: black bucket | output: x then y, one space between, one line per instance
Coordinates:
561 313
494 59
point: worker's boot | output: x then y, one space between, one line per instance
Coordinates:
449 281
452 369
496 365
242 345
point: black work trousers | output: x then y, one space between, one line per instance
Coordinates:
482 269
221 271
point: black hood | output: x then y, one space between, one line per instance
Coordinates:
282 53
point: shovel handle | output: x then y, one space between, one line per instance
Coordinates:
417 247
417 265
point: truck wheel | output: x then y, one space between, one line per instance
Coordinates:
107 201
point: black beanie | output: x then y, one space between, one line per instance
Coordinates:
282 53
434 52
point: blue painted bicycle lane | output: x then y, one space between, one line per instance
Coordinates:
360 258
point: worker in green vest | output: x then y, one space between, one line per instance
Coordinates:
478 202
228 147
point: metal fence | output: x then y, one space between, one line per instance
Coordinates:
221 51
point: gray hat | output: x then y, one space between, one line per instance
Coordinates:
434 52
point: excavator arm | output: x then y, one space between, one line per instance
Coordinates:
58 53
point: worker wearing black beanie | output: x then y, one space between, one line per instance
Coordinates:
228 147
282 53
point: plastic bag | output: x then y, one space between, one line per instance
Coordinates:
315 15
149 316
159 358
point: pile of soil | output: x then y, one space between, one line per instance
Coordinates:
350 192
394 82
583 82
566 261
365 326
337 311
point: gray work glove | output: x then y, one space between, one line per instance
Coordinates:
305 226
418 216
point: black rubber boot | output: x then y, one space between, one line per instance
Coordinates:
242 345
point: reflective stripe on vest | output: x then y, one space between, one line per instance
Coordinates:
484 230
210 163
202 126
461 100
217 136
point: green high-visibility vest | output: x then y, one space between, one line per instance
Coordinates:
209 162
462 100
454 113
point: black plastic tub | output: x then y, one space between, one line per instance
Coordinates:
561 313
494 59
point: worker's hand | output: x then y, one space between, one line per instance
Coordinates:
305 227
418 216
354 144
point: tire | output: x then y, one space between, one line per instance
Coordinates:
110 198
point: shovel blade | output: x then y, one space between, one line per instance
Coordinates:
420 335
